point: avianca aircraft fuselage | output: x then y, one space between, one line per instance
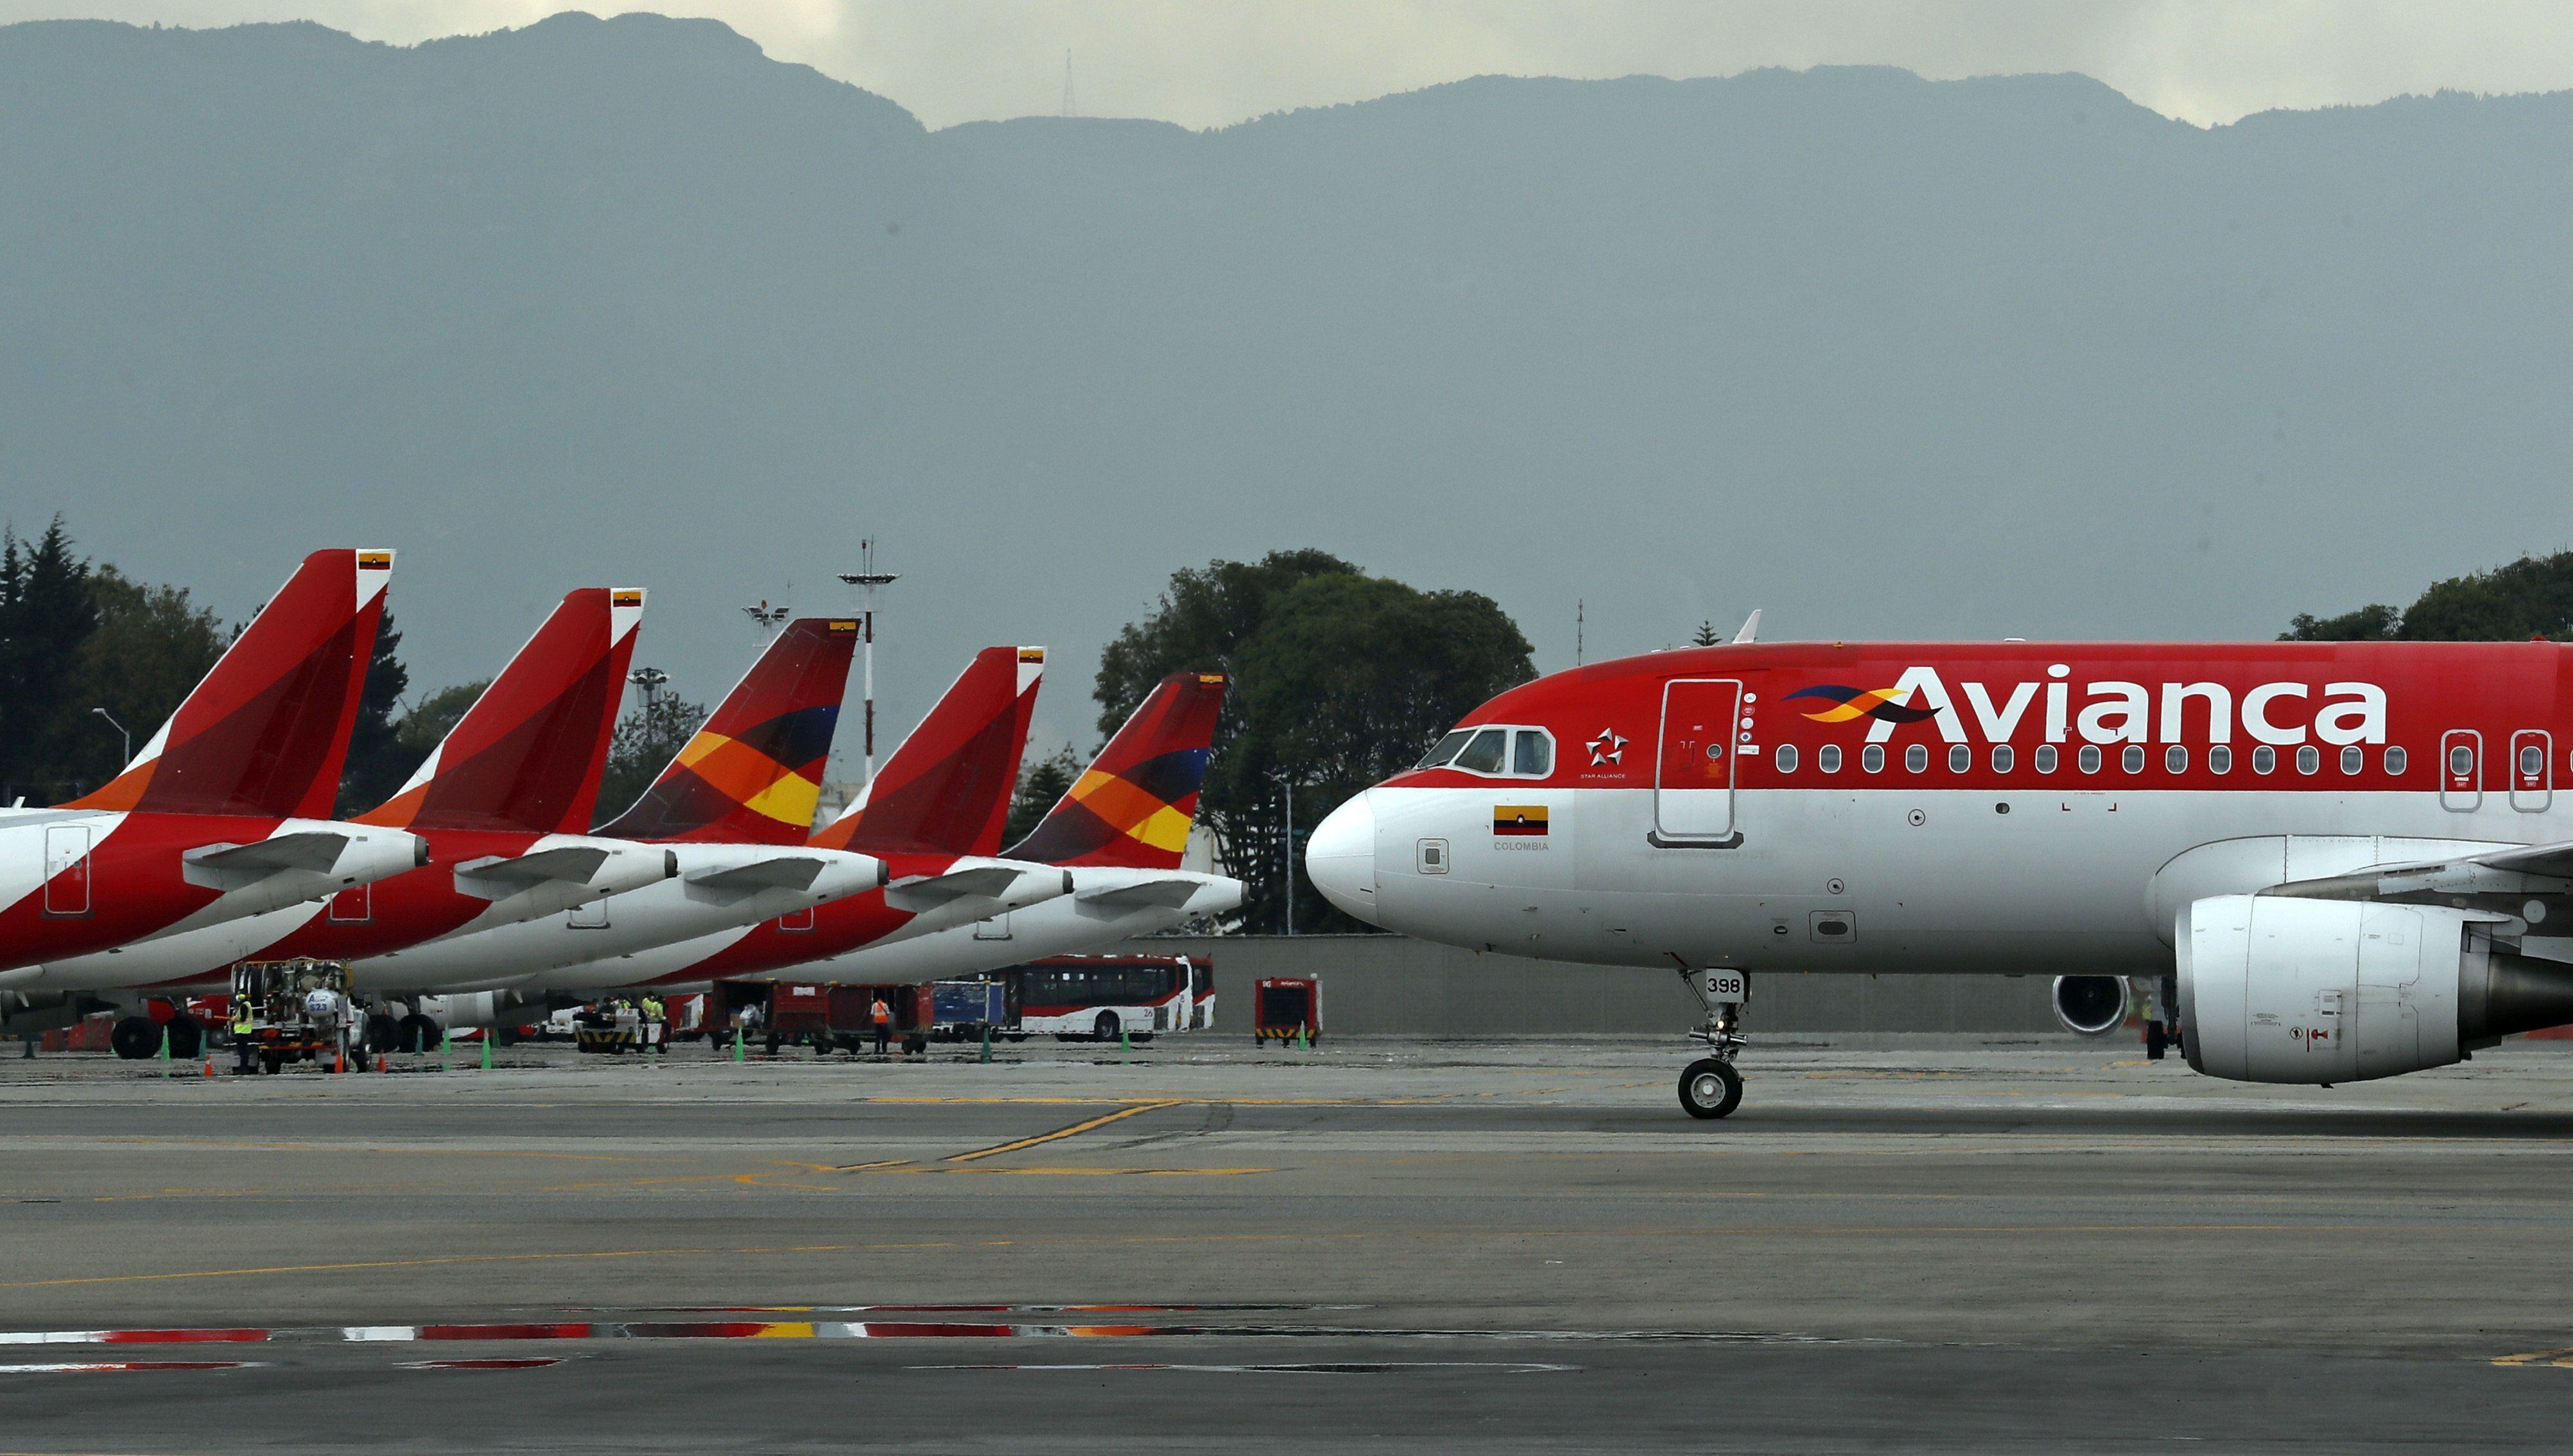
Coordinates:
2017 808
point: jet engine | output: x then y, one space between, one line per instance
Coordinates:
2090 1006
2288 990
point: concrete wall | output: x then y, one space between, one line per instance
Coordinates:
1393 985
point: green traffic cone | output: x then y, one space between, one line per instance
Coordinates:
736 1044
987 1040
1121 1037
487 1034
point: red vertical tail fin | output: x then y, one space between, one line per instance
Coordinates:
753 773
266 732
529 753
947 789
1136 804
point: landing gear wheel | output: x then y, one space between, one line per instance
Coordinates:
1710 1088
135 1038
2156 1042
187 1037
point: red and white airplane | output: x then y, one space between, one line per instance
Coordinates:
1117 834
2334 860
225 811
505 801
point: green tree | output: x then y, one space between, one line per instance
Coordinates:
376 764
1339 679
645 741
1706 635
2530 597
1042 783
151 648
46 617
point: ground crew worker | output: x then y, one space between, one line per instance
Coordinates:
882 1014
656 1023
243 1028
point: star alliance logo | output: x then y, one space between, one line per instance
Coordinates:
1607 747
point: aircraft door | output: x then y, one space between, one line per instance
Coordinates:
2462 783
66 870
1693 776
2532 770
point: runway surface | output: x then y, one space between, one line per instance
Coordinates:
1373 1245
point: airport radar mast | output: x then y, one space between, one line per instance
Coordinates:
867 579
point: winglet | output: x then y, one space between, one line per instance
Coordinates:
1136 804
947 789
529 753
266 732
753 773
1750 630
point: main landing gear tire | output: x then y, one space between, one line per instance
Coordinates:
186 1038
135 1038
1710 1088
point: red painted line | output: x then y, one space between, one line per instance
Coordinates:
181 1336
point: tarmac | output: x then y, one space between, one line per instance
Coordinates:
1949 1244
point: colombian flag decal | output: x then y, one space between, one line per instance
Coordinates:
1519 819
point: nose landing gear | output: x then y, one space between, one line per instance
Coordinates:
1710 1086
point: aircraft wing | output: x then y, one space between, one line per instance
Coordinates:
2529 884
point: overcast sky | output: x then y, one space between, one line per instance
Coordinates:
1210 62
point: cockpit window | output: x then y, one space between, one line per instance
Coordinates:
1483 755
1502 750
1446 749
1532 755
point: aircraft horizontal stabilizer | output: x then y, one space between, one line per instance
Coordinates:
931 892
574 862
777 872
1167 894
238 866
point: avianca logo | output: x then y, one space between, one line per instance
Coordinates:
1840 704
2112 711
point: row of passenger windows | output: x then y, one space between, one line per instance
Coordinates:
2219 759
1515 752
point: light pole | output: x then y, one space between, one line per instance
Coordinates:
764 616
650 680
1287 789
866 579
121 733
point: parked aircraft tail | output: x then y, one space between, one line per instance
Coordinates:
947 789
753 773
1134 805
266 732
529 753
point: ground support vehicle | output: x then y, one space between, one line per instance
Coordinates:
1103 998
1286 1009
618 1031
287 1018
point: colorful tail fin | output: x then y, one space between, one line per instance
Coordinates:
529 753
753 774
946 790
1136 804
266 732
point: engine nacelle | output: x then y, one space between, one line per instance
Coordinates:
2279 989
2090 1006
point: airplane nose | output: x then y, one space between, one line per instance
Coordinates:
1340 858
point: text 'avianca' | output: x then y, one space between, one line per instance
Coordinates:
2109 711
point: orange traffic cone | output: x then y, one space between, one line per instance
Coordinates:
338 1062
380 1061
210 1066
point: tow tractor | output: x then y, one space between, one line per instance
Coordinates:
285 1025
